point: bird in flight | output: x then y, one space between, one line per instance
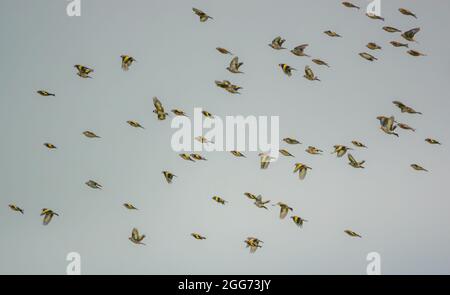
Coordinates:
136 237
203 16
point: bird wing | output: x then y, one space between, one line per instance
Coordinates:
351 159
47 218
283 212
158 105
234 62
302 173
135 234
301 47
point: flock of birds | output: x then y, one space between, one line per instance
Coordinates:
388 124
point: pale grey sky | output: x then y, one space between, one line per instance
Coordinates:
402 214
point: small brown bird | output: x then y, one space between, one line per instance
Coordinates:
373 46
168 176
48 215
134 124
198 157
388 125
298 221
203 16
127 61
368 56
300 50
253 243
398 44
186 157
313 150
374 16
405 11
350 5
277 43
405 127
83 71
129 206
302 169
49 145
289 140
415 53
235 65
354 163
203 139
332 34
284 209
432 141
207 114
309 74
93 184
286 153
250 196
260 203
265 160
198 236
237 154
219 200
320 62
15 208
136 237
340 150
223 50
352 233
358 144
287 69
159 109
179 112
404 108
90 134
418 167
409 35
391 29
45 93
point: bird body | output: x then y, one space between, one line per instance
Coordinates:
373 46
90 134
237 154
130 206
332 34
340 150
126 61
286 153
418 167
298 220
235 65
93 184
287 69
313 150
391 29
350 5
49 145
198 236
320 62
405 11
352 233
223 50
136 237
399 44
253 243
45 93
168 176
432 141
368 56
83 71
260 203
354 163
309 74
219 200
159 109
409 35
302 169
16 208
134 124
300 50
48 215
277 43
358 144
284 209
405 109
203 16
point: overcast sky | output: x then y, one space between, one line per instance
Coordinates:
401 213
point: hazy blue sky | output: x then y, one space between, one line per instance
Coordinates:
401 214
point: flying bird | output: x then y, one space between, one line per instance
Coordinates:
354 163
313 150
277 43
332 34
284 209
126 61
374 16
179 112
405 11
168 176
250 196
287 69
409 35
289 140
159 109
432 141
300 50
237 154
253 243
399 44
223 50
235 65
83 71
415 53
93 184
418 167
301 169
48 215
298 220
198 157
286 153
219 200
373 46
198 236
90 134
130 206
15 208
134 124
350 5
203 16
260 203
391 29
352 233
203 139
45 93
265 160
50 145
388 125
358 144
136 237
340 150
320 62
405 109
186 157
309 74
368 56
405 127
